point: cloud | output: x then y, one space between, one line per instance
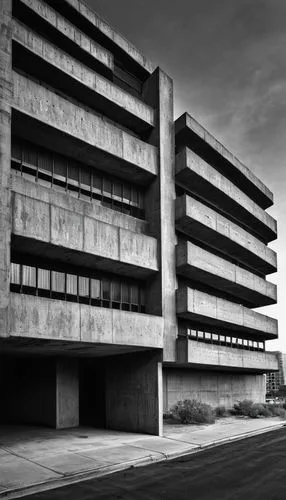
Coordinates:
227 60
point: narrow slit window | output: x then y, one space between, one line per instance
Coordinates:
58 282
29 276
44 279
71 284
15 274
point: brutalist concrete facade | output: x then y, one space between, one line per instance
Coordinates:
133 247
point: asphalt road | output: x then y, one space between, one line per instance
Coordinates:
254 468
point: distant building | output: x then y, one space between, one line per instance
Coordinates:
134 248
276 379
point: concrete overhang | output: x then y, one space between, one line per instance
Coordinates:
205 267
83 16
79 132
191 134
199 355
207 309
42 318
206 225
47 21
45 230
197 176
42 59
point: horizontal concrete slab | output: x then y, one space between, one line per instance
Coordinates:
116 39
40 57
61 199
206 225
197 176
64 234
207 309
38 317
79 132
205 267
191 134
57 27
197 354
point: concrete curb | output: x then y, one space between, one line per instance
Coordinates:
111 469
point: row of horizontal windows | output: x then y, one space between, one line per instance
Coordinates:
64 174
227 340
103 292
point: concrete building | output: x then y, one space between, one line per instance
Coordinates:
133 248
275 379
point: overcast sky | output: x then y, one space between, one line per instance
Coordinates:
228 62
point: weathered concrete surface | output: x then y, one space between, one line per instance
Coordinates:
90 137
200 178
38 317
67 393
94 209
68 30
5 154
67 229
211 387
200 265
75 78
41 391
190 133
206 225
194 354
117 38
160 208
134 403
210 310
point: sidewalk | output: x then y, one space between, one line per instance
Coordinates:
36 459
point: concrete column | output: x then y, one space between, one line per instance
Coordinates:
134 401
160 208
5 158
67 393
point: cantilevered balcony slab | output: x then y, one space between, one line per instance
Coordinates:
191 134
206 225
197 176
205 267
81 14
207 309
42 318
215 357
39 57
64 126
47 230
53 26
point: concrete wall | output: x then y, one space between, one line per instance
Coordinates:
134 393
225 159
207 182
97 23
201 265
160 208
75 69
82 124
220 356
40 391
212 310
67 393
94 210
65 228
5 154
214 388
223 234
67 29
38 317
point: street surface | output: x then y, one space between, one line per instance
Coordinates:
250 469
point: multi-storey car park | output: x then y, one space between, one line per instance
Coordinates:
133 248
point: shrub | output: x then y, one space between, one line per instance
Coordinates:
220 411
258 410
193 412
243 407
277 411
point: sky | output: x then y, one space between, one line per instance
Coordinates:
227 59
